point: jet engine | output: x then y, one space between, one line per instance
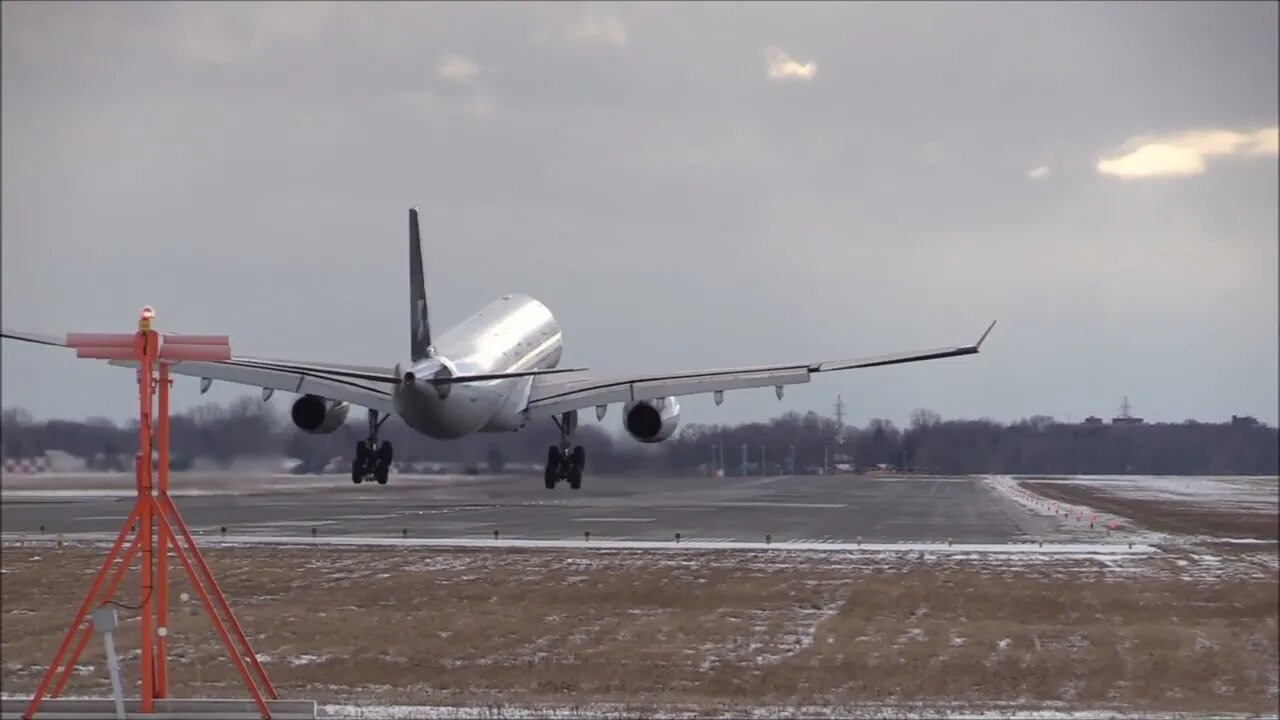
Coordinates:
651 421
318 416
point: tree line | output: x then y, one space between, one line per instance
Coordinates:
791 443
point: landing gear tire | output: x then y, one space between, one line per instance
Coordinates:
360 462
563 463
551 475
372 459
382 464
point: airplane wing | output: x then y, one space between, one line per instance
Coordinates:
368 386
552 395
363 385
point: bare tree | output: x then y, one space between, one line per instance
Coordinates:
1037 444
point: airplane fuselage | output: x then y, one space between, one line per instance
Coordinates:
515 332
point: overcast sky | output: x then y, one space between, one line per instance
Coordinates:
685 186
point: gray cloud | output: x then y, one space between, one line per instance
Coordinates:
458 68
673 205
598 25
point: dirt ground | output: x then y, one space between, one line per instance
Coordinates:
412 626
1167 516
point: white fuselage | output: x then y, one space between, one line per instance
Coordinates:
513 333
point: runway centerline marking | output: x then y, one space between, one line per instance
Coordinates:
614 519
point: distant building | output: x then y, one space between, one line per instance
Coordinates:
1124 418
1244 421
1093 420
26 465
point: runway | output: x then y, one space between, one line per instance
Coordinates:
798 509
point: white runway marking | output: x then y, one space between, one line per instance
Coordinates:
56 494
829 506
103 495
1026 549
291 523
615 519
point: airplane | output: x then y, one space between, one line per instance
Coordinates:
496 371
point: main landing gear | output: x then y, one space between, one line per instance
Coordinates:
563 463
373 459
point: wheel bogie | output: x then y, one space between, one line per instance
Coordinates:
565 464
372 462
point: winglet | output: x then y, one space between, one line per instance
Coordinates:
978 345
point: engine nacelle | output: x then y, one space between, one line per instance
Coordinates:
651 421
318 416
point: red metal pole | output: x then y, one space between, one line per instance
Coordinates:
162 578
84 610
87 632
146 356
155 515
165 528
172 512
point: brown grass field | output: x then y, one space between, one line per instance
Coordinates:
1169 516
1170 632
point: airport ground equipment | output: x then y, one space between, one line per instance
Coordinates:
156 526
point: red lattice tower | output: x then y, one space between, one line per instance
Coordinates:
155 524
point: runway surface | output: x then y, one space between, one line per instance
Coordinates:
810 509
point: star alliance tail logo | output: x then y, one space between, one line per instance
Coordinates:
420 314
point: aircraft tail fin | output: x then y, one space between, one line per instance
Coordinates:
419 317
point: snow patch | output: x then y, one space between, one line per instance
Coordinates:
297 660
1261 494
940 711
914 634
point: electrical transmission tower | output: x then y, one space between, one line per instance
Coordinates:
839 412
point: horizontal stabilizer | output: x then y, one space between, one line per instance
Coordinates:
482 377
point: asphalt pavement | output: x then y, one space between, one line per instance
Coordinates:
836 508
